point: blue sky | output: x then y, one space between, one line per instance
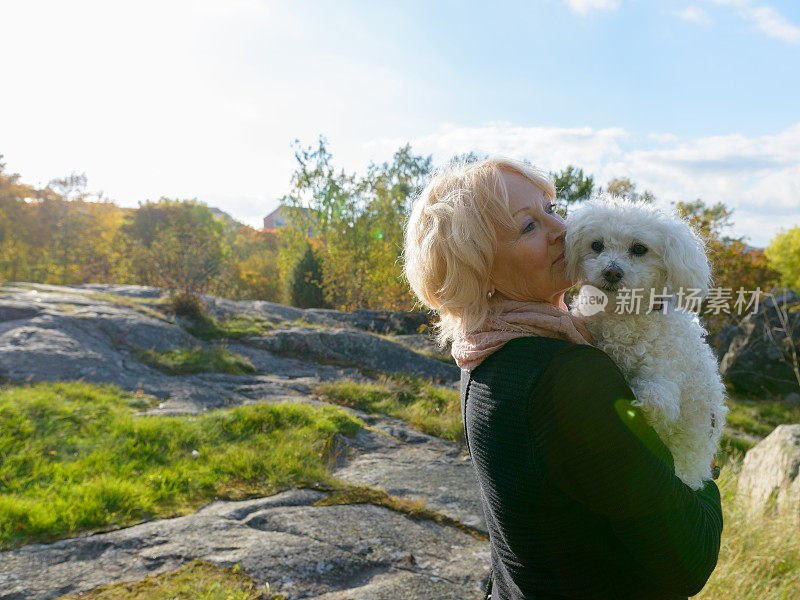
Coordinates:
203 99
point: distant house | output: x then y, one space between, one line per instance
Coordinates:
278 217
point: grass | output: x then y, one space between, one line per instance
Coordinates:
184 361
235 326
76 458
198 580
751 419
436 410
730 444
760 417
760 555
347 494
429 408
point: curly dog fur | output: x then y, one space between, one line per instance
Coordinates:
613 245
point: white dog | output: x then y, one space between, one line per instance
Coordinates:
618 246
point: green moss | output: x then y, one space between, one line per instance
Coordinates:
231 327
198 580
429 408
77 458
184 361
347 494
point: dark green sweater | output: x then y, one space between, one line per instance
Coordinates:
580 495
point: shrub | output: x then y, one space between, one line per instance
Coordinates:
187 305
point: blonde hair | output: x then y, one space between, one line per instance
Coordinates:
451 240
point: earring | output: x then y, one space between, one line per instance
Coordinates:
489 294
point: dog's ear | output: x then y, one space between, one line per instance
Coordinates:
685 259
573 247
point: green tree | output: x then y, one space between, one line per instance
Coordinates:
305 284
625 188
572 187
783 253
466 158
176 245
320 200
709 221
358 222
733 264
388 190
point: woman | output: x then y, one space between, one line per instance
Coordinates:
579 494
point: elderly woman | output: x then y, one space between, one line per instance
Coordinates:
579 493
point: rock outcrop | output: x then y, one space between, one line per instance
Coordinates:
352 348
303 550
758 358
80 332
770 475
374 321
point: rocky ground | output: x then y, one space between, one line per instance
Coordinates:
303 550
292 541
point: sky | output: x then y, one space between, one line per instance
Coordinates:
204 99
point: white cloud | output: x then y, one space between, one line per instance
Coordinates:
583 7
548 147
695 14
731 2
758 177
770 22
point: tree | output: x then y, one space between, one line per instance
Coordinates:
572 187
388 190
358 222
733 264
19 250
625 188
466 158
708 221
783 253
305 284
56 234
177 245
252 272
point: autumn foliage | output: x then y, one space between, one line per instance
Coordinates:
340 248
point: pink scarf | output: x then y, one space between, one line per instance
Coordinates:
517 319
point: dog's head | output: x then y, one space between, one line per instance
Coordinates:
613 243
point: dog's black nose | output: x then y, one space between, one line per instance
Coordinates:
612 274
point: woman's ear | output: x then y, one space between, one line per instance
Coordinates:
685 260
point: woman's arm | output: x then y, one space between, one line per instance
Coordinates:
598 448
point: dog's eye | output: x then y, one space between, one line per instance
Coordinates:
638 249
597 246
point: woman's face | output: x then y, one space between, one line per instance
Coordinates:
529 263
